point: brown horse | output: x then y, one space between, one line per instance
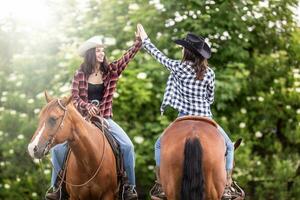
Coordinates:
91 167
192 160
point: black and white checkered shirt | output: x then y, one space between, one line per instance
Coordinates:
184 92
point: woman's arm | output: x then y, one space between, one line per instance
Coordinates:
120 64
170 64
211 88
79 104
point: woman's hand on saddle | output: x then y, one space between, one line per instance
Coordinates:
141 32
92 110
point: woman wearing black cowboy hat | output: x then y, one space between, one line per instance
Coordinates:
192 79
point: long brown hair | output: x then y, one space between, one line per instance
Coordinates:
200 63
90 61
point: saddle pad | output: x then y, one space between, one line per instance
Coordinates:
197 118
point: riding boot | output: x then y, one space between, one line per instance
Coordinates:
128 191
157 192
57 193
232 190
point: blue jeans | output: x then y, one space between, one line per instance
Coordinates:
58 153
229 148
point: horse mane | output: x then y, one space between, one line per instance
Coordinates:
197 118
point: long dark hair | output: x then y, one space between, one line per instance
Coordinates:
90 61
200 63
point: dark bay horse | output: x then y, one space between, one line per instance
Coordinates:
193 160
91 167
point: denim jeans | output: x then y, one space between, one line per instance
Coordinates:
58 153
229 148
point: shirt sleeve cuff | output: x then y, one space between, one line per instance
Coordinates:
146 41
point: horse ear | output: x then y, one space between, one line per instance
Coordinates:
47 96
67 100
237 143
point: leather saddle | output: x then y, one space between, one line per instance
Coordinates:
103 125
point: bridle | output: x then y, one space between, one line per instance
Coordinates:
60 126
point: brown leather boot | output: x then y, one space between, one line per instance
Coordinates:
129 192
57 193
232 190
156 192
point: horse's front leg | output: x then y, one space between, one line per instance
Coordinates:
72 197
110 195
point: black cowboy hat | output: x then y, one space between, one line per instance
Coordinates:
195 44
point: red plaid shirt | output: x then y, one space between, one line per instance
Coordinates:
80 84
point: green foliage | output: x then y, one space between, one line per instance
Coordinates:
255 56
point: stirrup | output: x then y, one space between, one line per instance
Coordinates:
233 192
129 189
157 193
55 194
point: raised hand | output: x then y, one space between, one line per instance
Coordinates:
137 33
142 32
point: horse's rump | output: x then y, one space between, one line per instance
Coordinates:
193 129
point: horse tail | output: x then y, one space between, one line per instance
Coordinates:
192 185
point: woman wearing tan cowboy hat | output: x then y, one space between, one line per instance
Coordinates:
93 86
192 79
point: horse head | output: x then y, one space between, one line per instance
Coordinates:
53 127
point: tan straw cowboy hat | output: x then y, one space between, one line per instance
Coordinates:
90 43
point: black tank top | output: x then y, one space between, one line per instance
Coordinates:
95 91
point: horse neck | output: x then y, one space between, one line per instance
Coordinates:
86 141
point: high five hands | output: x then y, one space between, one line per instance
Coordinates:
141 32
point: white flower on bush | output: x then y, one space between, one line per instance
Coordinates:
223 118
138 139
23 115
243 110
116 95
3 99
258 162
46 171
133 6
36 111
242 125
13 112
298 111
11 151
150 167
30 101
288 107
19 83
261 99
20 137
141 75
6 186
40 95
22 96
34 194
258 134
129 43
